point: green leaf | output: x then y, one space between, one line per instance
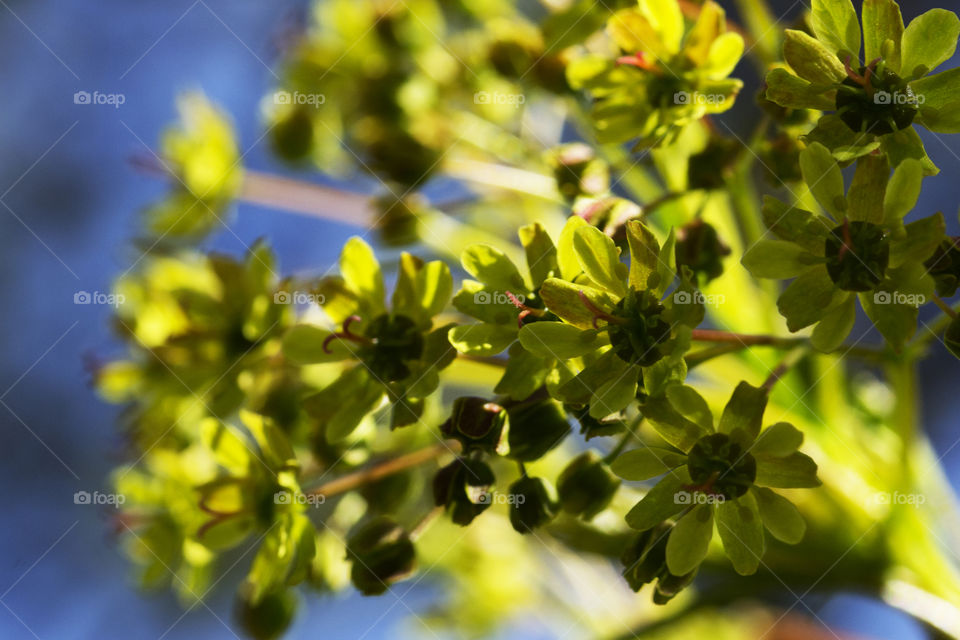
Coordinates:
632 31
824 179
691 405
778 440
777 259
689 541
810 59
709 25
646 463
615 394
482 339
940 93
303 344
660 502
524 374
666 18
928 41
484 303
541 254
780 516
744 412
903 191
361 272
644 256
905 144
340 418
667 263
725 53
272 441
404 298
835 326
558 340
579 389
865 196
845 144
563 299
434 284
566 256
881 22
670 425
230 450
835 23
807 298
741 531
896 322
664 372
493 268
599 258
921 240
796 225
788 90
796 471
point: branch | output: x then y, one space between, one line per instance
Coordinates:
362 477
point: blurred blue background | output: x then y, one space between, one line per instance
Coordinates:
69 208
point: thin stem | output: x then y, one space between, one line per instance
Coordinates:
788 361
424 524
362 477
624 441
743 339
947 309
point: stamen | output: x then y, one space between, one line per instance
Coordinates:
524 309
599 314
345 334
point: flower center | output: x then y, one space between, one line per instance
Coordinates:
857 255
720 466
876 100
636 339
395 339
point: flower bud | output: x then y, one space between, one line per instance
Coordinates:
586 486
535 429
269 617
382 553
532 504
645 560
464 488
578 172
944 266
478 425
700 248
